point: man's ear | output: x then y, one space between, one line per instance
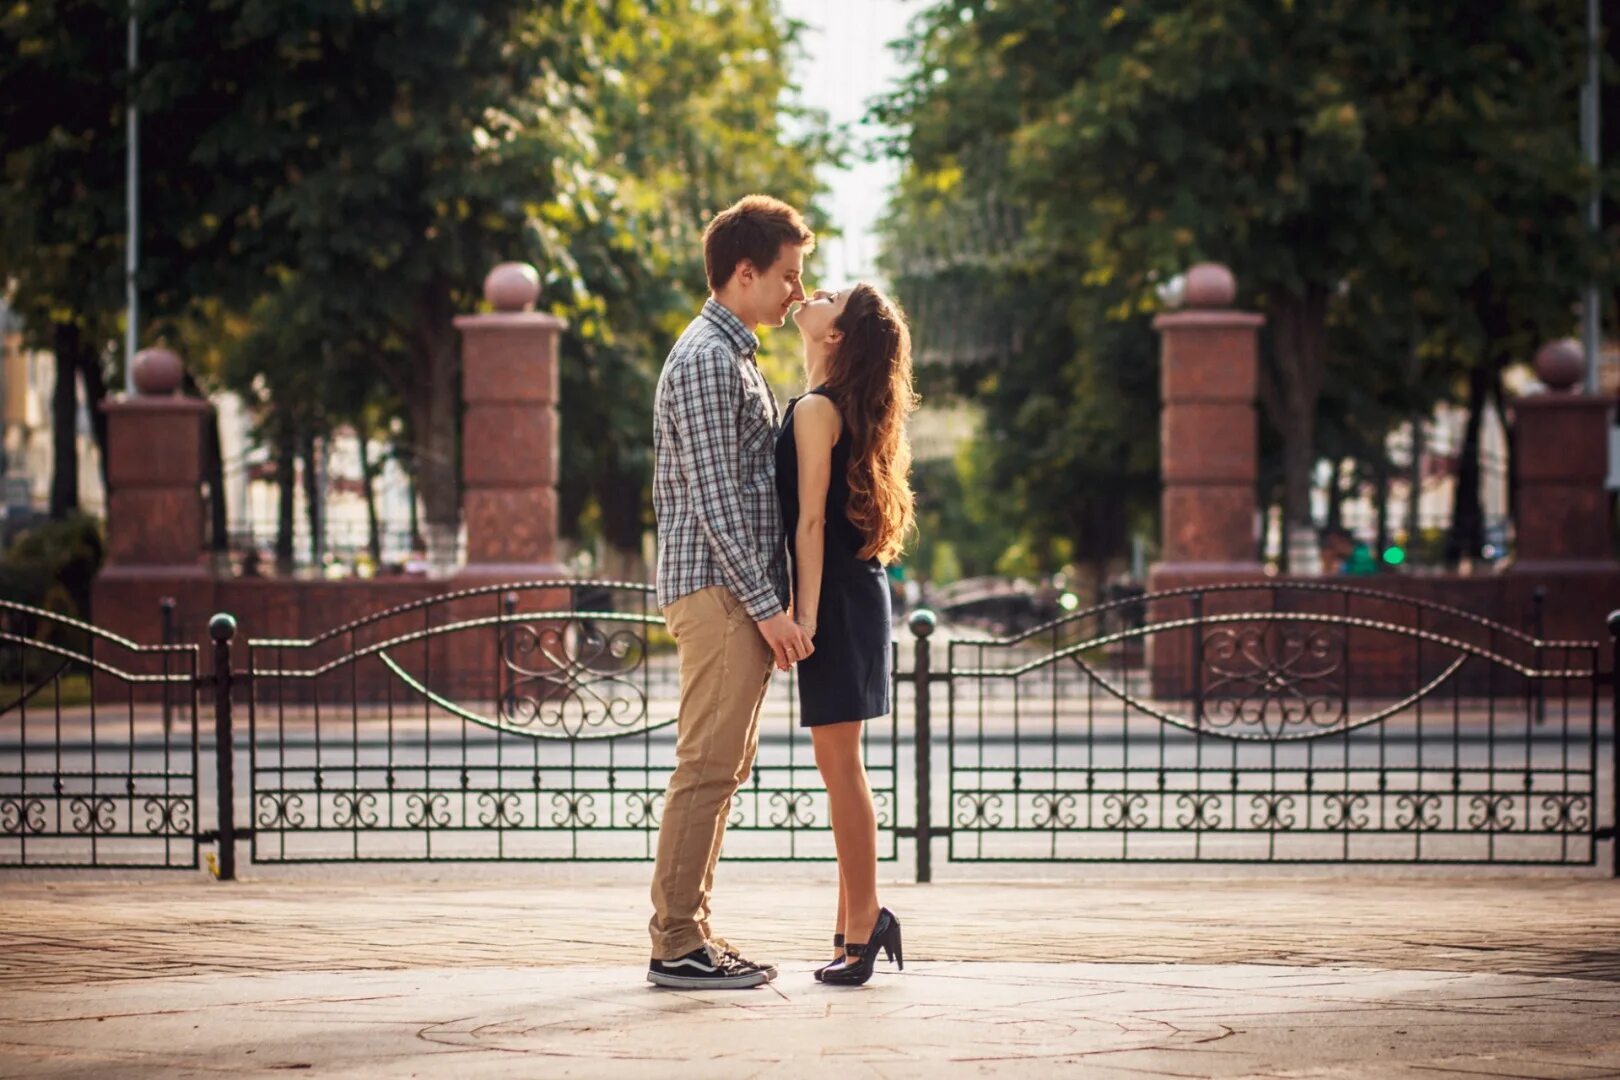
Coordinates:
745 271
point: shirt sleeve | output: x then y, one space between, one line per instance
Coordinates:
705 397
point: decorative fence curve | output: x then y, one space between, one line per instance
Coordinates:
87 776
1254 722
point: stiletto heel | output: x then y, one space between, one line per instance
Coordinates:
838 943
863 958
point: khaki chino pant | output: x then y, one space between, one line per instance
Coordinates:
725 671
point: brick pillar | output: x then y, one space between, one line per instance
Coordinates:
509 432
154 509
1562 540
1208 460
154 472
1208 440
1562 443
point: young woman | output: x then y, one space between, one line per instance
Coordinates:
842 463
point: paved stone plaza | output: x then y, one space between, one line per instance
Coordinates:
538 971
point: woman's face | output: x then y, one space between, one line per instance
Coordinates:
818 316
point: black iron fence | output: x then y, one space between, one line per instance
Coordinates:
1247 723
90 775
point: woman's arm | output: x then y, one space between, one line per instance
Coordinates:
815 429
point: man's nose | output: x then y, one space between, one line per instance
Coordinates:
798 292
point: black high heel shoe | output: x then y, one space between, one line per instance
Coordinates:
858 968
838 943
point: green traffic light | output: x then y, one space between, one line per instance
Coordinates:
1394 556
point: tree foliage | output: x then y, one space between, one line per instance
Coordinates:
325 185
1410 164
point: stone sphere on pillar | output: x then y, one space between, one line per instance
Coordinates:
512 286
157 372
1209 285
1559 364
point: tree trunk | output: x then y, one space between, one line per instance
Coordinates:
368 478
1467 535
65 422
286 481
418 543
1414 497
1338 492
213 464
313 509
1300 351
1381 480
95 393
434 408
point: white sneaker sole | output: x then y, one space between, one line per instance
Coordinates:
708 982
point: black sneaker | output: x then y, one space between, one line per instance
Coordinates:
726 948
739 958
698 970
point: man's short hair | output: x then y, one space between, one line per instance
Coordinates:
754 228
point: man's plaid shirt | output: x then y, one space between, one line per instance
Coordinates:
714 469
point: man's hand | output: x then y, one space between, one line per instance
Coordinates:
787 639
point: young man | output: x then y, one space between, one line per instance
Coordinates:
722 570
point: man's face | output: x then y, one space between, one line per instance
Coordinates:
772 292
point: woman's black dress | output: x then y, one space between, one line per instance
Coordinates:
847 677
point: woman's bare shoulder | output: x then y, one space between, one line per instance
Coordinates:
818 410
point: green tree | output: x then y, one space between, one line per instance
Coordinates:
1330 153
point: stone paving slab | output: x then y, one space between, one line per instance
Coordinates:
542 974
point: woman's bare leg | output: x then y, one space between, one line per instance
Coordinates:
854 822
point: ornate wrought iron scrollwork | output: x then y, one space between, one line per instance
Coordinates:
794 810
93 814
572 679
1273 678
1272 810
168 815
354 809
500 809
429 811
22 815
1344 811
1565 812
1203 810
575 810
977 810
882 809
1492 812
1054 810
1418 811
643 809
1125 810
281 810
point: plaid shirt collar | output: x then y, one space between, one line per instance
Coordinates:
731 326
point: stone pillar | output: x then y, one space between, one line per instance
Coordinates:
1208 460
1561 513
1208 439
154 510
1562 541
154 473
509 433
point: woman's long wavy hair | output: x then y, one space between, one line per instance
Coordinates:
869 376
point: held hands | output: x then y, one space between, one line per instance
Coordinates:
789 641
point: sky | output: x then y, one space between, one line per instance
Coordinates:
847 63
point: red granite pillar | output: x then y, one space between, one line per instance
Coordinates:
154 506
1208 450
1562 538
509 441
1208 440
